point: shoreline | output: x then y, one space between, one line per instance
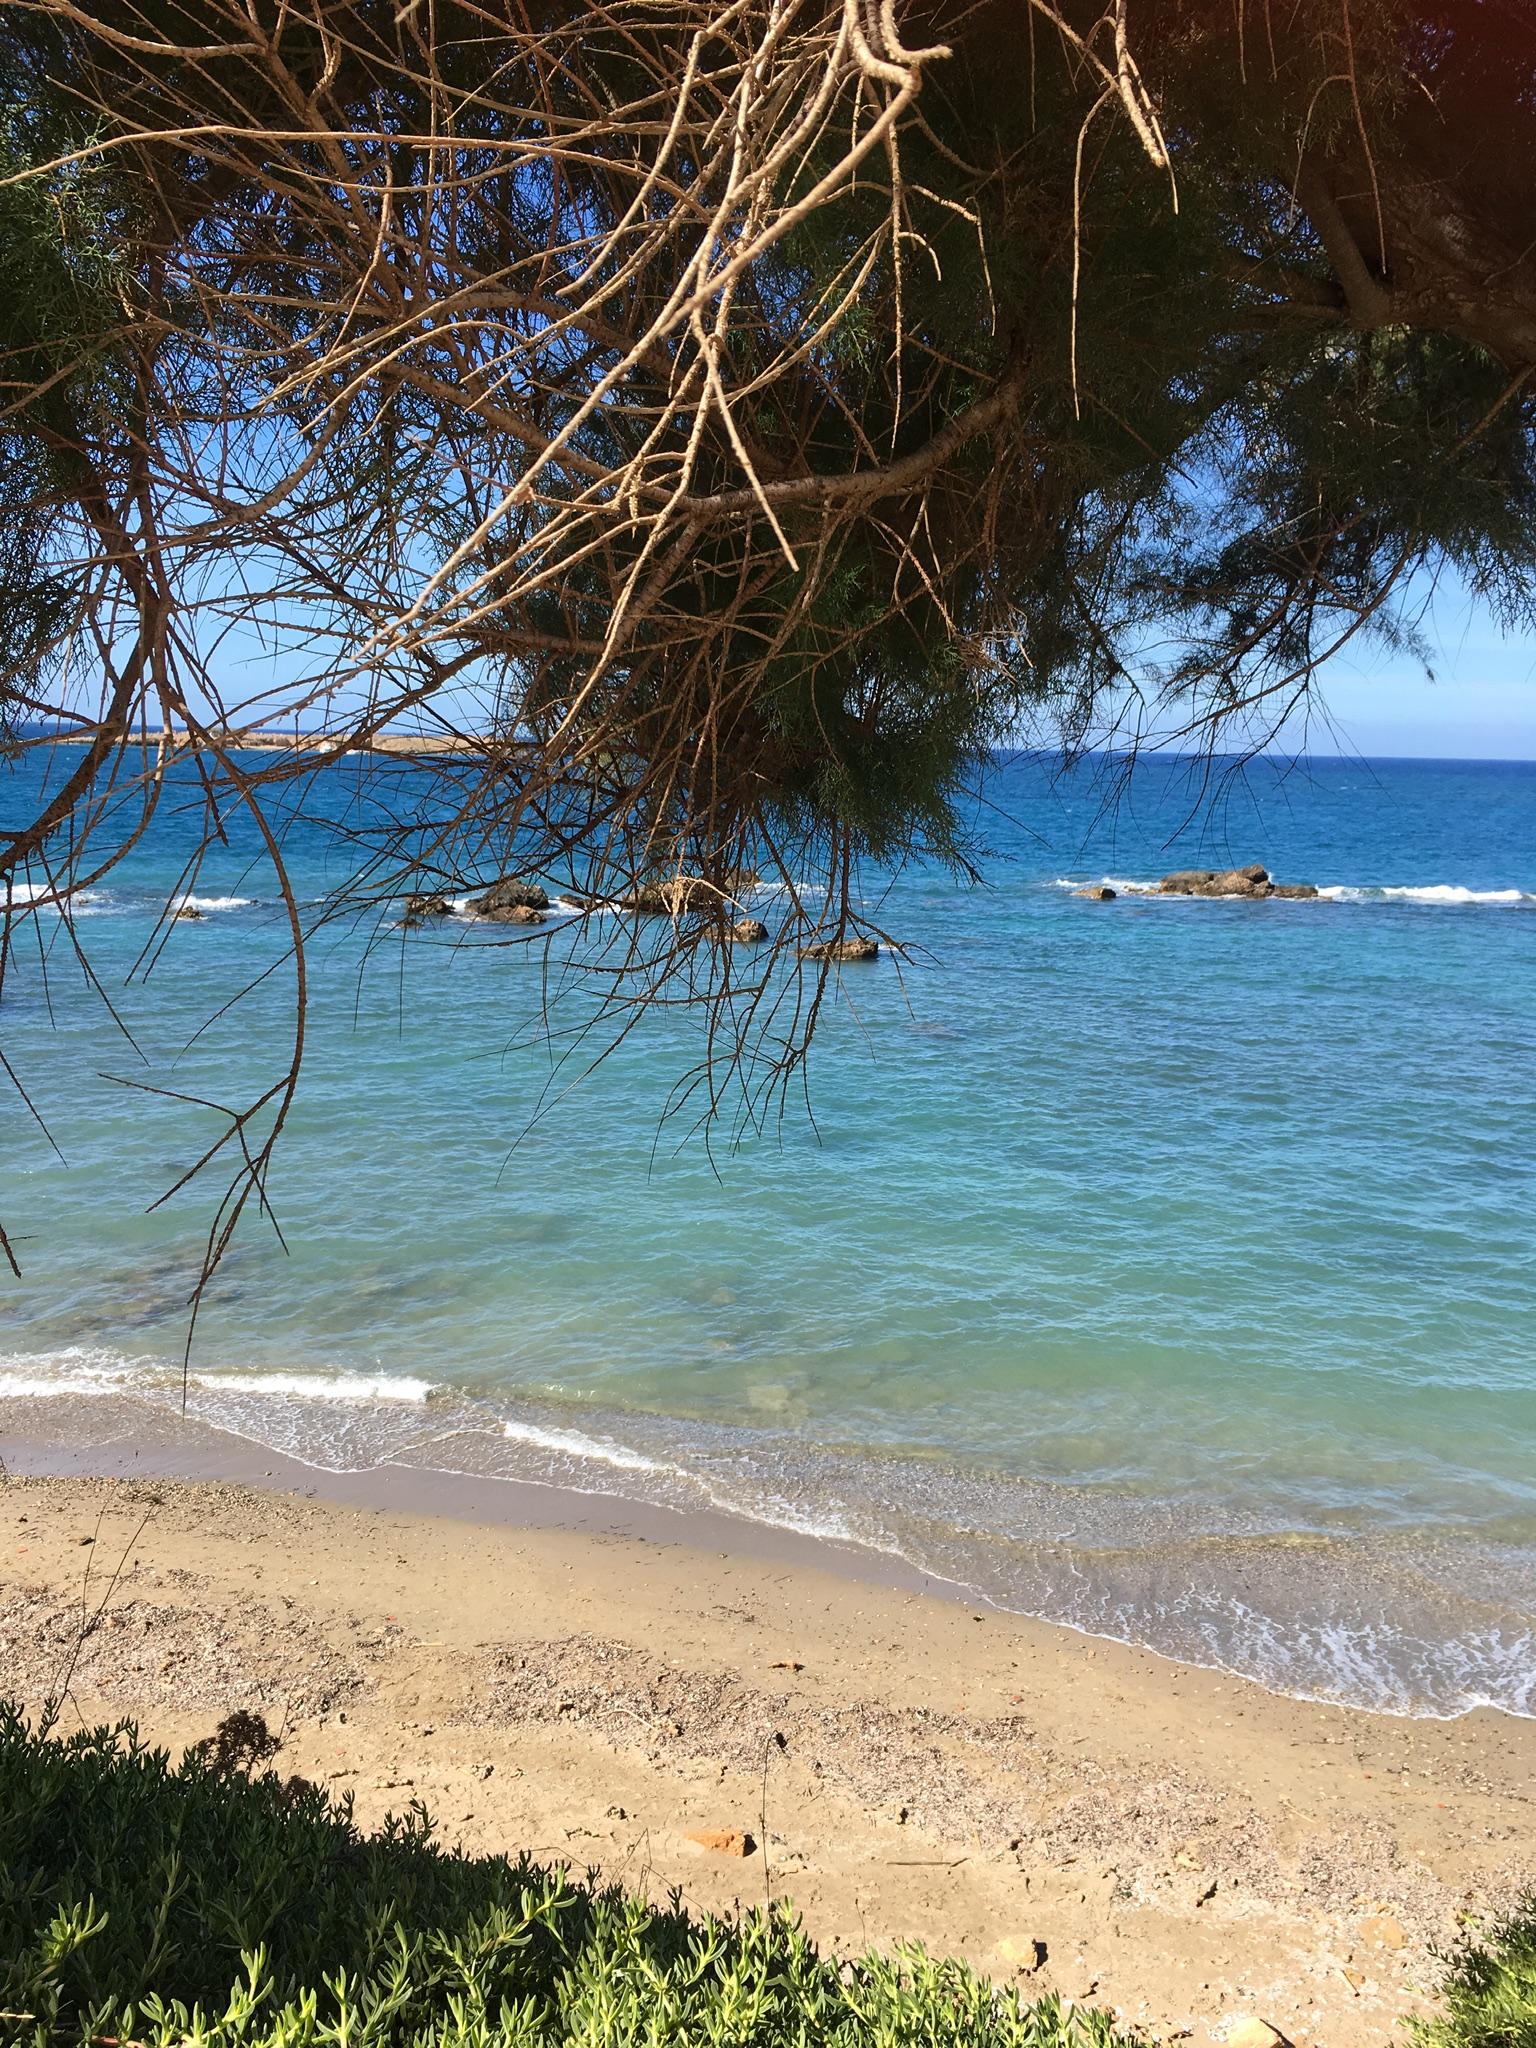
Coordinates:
223 1457
593 1681
1348 1618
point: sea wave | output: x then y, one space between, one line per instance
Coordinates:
51 896
1429 892
77 1369
314 1386
571 1444
207 904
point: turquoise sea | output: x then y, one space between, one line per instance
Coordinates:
1161 1266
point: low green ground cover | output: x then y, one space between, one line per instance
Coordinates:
1489 1998
196 1904
209 1904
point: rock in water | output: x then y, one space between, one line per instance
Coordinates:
509 895
423 906
1303 892
189 914
672 898
751 931
841 949
1249 881
1100 892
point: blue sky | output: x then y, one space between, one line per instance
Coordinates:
1479 705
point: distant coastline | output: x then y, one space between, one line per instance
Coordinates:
259 740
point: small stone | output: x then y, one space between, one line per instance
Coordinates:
722 1841
1385 1929
1023 1952
1205 1888
1355 1979
1248 2032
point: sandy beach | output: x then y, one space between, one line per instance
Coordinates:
1177 1845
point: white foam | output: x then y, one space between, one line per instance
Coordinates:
1106 882
1452 892
211 903
51 896
314 1386
571 1444
53 1387
77 1369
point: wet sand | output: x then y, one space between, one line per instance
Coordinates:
594 1682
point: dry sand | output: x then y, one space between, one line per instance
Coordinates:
1183 1847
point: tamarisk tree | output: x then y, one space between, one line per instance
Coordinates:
705 428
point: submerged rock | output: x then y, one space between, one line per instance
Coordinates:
1303 892
841 949
189 914
506 896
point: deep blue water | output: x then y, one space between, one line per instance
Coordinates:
1163 1266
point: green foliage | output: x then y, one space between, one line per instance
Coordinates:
1489 1998
183 1905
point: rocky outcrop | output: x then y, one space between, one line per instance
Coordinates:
1253 881
750 931
841 949
420 907
1099 892
519 913
1249 881
505 897
673 897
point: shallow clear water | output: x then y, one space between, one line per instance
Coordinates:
1160 1266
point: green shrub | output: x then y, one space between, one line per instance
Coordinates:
1489 1998
197 1905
